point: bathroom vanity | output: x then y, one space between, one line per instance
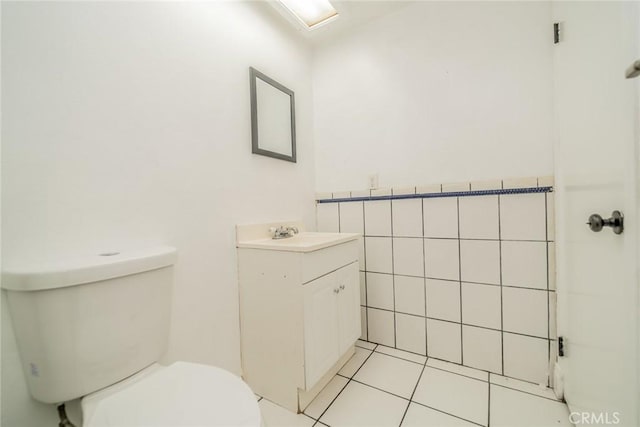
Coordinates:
299 310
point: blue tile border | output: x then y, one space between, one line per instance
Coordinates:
529 190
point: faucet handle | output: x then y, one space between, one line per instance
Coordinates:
294 230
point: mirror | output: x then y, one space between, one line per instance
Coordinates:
273 124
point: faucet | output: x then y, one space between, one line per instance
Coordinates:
283 232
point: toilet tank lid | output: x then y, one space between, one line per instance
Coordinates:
60 273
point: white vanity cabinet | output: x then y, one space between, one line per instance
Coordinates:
299 313
331 319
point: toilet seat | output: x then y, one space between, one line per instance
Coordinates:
182 394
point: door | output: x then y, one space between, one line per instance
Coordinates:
349 306
596 160
321 344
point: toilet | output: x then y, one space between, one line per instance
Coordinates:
96 327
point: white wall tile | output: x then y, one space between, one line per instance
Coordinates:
479 217
529 182
524 264
408 256
481 305
410 295
342 194
407 217
363 323
327 217
363 288
480 261
442 259
482 348
351 217
381 326
495 184
441 217
443 299
526 358
546 181
381 192
523 217
362 259
443 340
551 216
428 189
455 186
552 265
324 196
380 291
360 193
377 218
378 254
410 333
553 315
525 311
403 190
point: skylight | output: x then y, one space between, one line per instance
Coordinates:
311 13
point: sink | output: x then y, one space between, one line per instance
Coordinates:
306 241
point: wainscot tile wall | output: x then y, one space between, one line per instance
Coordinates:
460 272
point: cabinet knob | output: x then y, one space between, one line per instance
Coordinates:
342 287
336 290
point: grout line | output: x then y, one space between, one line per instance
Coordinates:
446 413
501 288
413 393
489 404
401 358
393 279
460 279
459 374
424 283
527 392
458 323
379 389
546 236
345 386
462 238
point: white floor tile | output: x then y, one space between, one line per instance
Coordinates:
522 386
458 369
421 416
355 362
365 344
326 396
512 408
361 405
390 374
274 415
454 394
401 354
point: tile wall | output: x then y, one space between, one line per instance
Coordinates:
454 275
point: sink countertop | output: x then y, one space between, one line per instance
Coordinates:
305 241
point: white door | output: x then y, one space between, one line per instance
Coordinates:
596 131
321 345
349 306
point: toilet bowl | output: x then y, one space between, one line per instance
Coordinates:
95 328
182 394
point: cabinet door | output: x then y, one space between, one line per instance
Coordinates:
348 306
320 327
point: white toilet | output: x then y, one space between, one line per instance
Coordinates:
94 328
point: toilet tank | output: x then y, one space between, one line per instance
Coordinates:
83 324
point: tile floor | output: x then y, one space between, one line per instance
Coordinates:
382 386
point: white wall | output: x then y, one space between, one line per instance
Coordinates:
128 124
436 92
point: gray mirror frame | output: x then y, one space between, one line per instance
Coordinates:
255 141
